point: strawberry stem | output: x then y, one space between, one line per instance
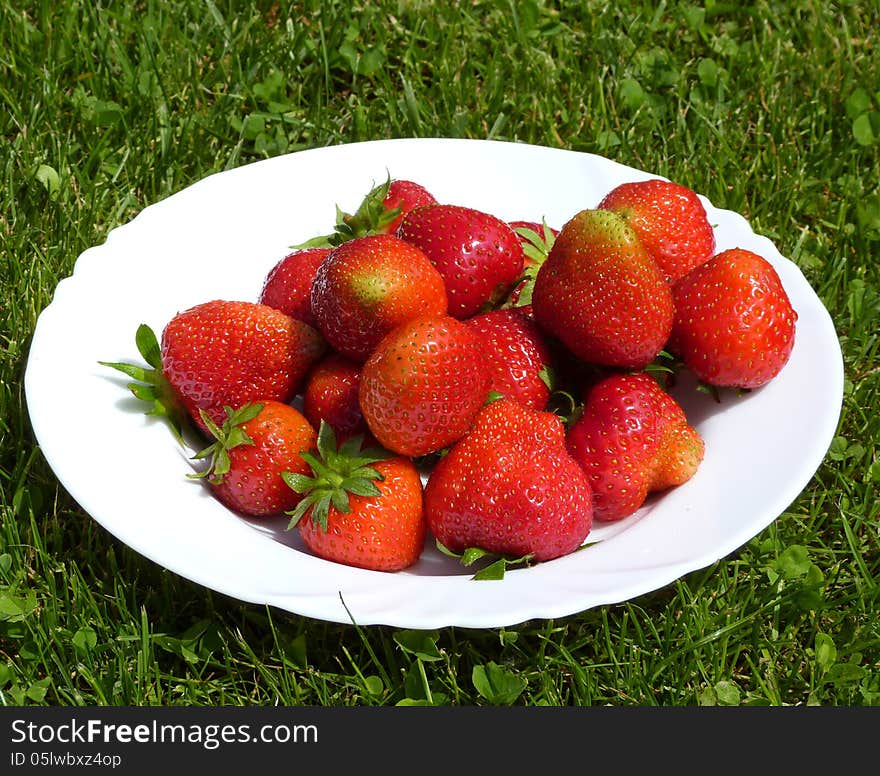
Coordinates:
151 386
226 437
337 472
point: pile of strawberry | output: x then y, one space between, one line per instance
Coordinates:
429 369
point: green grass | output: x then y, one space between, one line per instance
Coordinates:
770 109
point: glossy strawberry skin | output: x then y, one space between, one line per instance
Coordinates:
734 322
423 385
406 195
367 286
509 487
517 353
602 295
331 394
288 286
670 221
380 533
232 352
253 485
479 256
632 439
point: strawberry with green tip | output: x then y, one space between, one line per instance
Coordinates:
669 219
734 322
632 438
252 448
424 384
359 507
509 487
369 285
602 295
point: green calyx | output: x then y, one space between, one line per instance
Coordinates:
337 472
536 247
371 217
151 386
497 566
226 437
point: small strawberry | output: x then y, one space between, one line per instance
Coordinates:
479 256
509 487
359 507
536 240
670 221
331 395
251 449
379 212
369 285
288 286
734 322
632 439
601 294
517 354
424 384
221 353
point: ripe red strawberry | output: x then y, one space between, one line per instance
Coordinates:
359 507
734 322
367 286
670 221
601 294
509 487
424 384
516 351
251 450
479 256
632 439
404 195
221 353
379 212
331 395
288 286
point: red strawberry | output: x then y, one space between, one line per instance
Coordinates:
479 256
601 294
670 221
288 286
369 285
632 439
222 353
517 354
251 449
424 384
404 195
359 507
331 395
734 322
379 212
509 487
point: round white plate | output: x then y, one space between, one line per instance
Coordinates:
219 238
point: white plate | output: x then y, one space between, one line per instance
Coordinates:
219 238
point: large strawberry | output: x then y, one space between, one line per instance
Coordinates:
424 384
633 438
601 294
367 286
479 255
516 351
253 447
288 286
734 322
222 353
509 487
669 219
359 507
331 395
